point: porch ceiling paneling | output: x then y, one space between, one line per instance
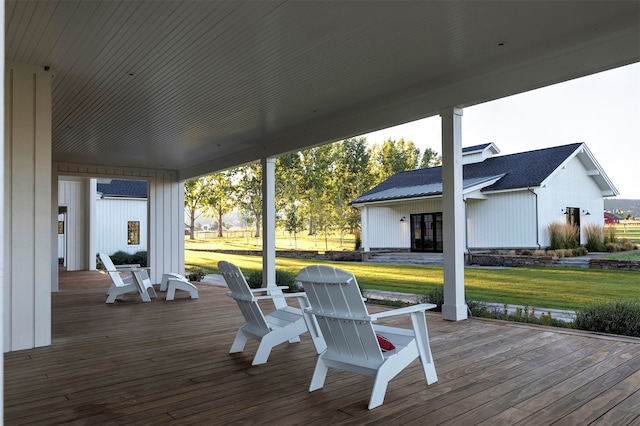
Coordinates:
200 86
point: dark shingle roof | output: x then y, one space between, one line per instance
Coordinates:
124 188
520 170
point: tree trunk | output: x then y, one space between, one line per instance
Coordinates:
219 223
258 224
192 223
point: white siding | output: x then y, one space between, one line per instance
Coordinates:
504 220
384 229
112 216
27 237
73 195
570 187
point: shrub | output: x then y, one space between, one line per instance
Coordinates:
628 246
120 258
526 253
254 279
435 296
539 253
551 253
580 251
196 274
140 257
358 237
620 317
612 247
595 237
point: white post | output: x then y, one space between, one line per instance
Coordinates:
269 226
364 217
91 223
454 307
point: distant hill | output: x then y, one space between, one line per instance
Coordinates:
625 206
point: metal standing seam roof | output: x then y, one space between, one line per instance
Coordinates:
521 170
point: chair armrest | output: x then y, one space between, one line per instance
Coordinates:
132 265
283 295
403 311
266 289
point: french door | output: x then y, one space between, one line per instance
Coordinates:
426 232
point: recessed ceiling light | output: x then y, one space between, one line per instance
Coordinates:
502 43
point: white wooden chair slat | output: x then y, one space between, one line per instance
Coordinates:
336 305
281 325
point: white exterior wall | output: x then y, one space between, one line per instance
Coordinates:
569 187
112 216
28 237
73 195
503 220
165 240
383 226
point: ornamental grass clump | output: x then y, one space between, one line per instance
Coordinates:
562 236
619 317
595 237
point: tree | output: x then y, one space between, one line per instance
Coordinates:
317 166
220 195
195 191
393 157
249 193
430 158
351 179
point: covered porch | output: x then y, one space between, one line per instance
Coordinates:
160 362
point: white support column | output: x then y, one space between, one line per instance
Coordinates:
269 226
91 223
27 207
364 218
454 307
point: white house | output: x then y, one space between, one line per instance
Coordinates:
509 200
120 218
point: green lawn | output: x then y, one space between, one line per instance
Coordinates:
630 233
539 287
283 242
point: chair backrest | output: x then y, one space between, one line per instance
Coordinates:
240 291
337 304
111 269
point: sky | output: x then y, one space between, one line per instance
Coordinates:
602 110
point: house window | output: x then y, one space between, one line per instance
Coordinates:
133 233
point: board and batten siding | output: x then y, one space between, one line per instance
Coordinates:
73 195
112 217
569 186
384 229
504 220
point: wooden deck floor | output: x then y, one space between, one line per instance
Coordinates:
167 363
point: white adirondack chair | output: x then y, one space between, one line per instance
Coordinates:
351 337
120 286
281 325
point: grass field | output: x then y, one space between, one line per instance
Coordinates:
629 232
541 287
283 242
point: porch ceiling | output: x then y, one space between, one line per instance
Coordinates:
201 86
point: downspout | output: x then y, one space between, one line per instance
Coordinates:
537 230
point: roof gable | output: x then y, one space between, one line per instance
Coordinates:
521 170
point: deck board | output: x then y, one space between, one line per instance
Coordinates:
168 363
